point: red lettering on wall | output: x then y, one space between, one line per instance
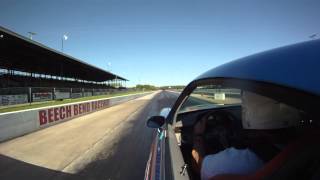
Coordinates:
97 105
43 117
87 107
80 108
68 111
50 115
56 114
84 108
94 105
62 111
75 109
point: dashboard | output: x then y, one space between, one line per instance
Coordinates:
186 121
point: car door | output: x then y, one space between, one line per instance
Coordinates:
165 160
175 166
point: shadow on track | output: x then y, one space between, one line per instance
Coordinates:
12 169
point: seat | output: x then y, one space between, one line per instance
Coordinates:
292 151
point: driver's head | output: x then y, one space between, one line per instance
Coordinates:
260 112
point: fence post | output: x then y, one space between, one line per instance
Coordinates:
30 95
54 94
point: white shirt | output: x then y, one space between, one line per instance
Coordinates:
230 161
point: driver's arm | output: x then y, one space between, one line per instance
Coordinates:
198 150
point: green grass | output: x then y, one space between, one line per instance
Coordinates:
59 102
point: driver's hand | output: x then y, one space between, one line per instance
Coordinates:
198 150
200 127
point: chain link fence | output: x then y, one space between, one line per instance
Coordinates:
21 95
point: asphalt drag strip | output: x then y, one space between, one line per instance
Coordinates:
109 144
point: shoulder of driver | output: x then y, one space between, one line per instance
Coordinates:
230 161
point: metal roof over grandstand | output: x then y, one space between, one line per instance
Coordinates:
22 54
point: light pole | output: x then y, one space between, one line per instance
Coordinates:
109 69
64 38
31 34
313 36
109 66
116 84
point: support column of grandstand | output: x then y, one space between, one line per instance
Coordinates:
30 71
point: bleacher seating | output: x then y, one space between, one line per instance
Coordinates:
7 80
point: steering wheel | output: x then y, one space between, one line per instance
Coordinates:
219 129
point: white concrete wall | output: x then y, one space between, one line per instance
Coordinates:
14 124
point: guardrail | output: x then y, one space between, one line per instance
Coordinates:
14 124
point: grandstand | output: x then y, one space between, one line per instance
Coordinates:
30 71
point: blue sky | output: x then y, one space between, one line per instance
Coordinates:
162 42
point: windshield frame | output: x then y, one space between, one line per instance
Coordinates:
302 100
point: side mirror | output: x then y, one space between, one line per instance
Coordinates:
156 122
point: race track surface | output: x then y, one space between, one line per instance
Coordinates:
113 143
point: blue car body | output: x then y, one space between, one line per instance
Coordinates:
293 69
